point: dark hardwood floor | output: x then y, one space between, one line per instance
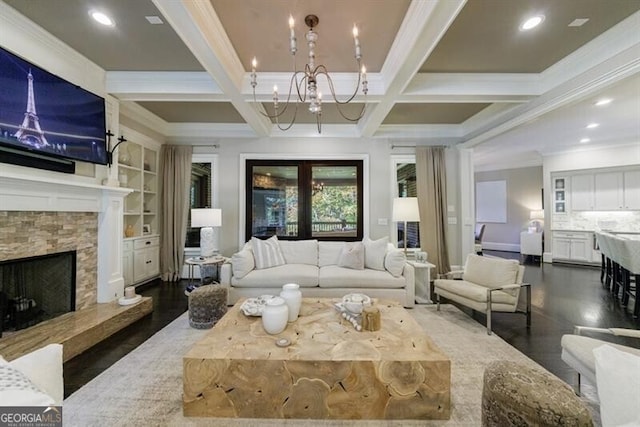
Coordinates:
562 296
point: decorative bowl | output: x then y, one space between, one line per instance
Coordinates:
355 303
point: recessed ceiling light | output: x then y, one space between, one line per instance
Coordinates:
603 101
578 22
154 20
584 140
532 22
102 18
592 125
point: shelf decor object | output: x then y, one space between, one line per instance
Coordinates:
405 209
207 219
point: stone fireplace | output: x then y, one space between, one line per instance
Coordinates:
44 215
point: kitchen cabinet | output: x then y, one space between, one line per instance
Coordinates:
582 192
608 191
631 192
560 195
575 246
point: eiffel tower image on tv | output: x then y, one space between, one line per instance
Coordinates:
29 131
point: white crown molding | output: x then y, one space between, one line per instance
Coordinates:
450 133
157 85
461 84
508 163
582 148
423 26
143 116
30 41
200 29
207 131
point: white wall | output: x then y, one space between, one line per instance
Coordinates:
524 188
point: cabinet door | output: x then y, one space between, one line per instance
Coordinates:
561 248
632 190
127 267
139 265
582 192
153 261
608 191
581 250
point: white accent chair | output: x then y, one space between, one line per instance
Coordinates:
577 350
488 284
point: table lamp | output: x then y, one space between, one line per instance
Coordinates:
405 209
207 219
537 219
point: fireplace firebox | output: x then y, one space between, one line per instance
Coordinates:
36 289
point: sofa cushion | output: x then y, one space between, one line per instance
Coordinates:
580 348
16 389
394 262
300 251
329 253
267 253
490 272
618 381
333 276
352 256
242 263
472 291
44 368
374 252
304 275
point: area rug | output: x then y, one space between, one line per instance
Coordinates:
145 387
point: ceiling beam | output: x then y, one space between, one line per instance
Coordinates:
199 27
423 26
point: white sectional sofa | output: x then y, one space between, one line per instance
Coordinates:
316 267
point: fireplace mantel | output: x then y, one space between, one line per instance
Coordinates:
22 192
35 192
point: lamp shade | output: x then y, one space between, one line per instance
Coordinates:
206 217
405 209
537 214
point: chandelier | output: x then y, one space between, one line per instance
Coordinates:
303 86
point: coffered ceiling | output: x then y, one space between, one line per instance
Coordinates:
439 71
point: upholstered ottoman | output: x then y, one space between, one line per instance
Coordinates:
517 395
207 304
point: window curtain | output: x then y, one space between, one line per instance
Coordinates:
432 203
175 172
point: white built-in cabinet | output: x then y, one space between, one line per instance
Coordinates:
608 191
138 165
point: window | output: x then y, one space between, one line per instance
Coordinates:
301 199
201 193
405 180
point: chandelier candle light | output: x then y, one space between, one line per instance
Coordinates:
304 84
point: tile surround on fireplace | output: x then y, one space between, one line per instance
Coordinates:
28 234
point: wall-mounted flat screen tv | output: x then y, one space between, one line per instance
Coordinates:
45 114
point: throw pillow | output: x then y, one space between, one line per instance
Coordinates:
618 381
17 390
267 253
242 263
374 252
394 262
44 368
352 256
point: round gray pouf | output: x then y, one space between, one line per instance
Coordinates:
207 304
517 395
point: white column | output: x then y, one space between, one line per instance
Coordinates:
110 234
467 202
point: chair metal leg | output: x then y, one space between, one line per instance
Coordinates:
438 300
576 388
528 288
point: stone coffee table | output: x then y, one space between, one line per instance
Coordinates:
329 371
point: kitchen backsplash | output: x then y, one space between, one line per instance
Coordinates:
593 220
